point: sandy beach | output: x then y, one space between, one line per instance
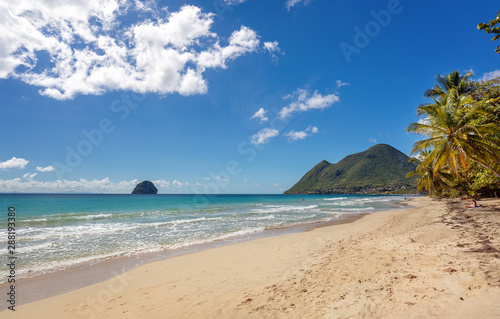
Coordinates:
434 259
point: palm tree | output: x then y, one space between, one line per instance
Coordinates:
455 136
453 83
430 180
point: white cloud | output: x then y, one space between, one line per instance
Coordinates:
45 169
424 121
29 185
29 176
63 186
341 84
273 49
206 178
418 156
233 2
263 136
221 179
176 183
490 75
300 135
241 41
373 140
304 101
14 162
272 46
93 51
261 115
292 3
294 136
161 183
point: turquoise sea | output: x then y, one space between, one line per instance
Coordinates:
54 232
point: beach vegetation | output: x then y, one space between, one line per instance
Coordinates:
460 153
492 27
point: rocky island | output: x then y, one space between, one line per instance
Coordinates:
145 187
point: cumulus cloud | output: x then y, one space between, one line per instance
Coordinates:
292 3
272 46
14 163
263 136
261 115
273 49
221 179
29 176
176 183
294 136
161 183
304 101
300 135
373 140
93 50
45 169
490 75
29 185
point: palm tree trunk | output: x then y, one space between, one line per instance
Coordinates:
486 166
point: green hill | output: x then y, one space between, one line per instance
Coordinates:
380 169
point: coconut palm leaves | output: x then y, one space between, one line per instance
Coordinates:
456 136
431 180
454 85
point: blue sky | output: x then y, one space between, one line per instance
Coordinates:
217 97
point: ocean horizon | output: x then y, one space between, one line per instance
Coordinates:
57 231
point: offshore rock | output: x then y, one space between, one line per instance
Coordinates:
145 187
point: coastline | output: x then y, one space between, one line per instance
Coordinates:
415 262
43 286
76 234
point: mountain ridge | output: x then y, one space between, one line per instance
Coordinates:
379 169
